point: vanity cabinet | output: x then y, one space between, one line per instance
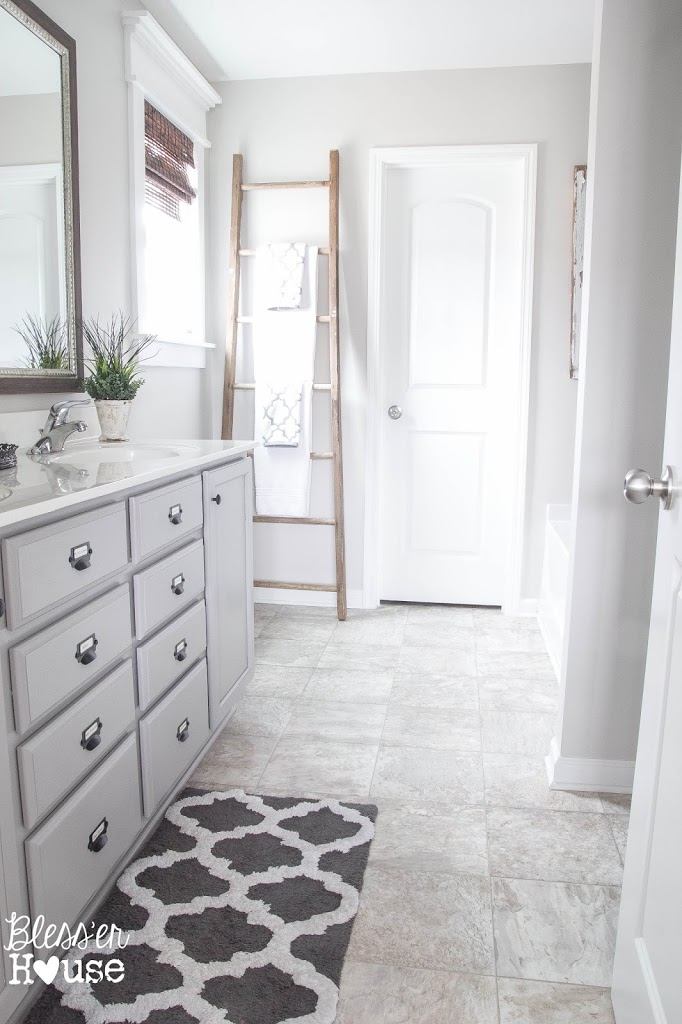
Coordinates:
229 579
128 640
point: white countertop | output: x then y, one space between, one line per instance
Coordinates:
86 470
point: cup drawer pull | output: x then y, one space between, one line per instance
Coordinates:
183 730
175 514
180 650
86 650
178 583
79 558
91 736
98 838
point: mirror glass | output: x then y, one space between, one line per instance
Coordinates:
37 272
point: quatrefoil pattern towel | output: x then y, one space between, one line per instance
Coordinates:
285 264
281 416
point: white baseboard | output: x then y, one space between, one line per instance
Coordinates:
311 598
586 774
550 645
527 606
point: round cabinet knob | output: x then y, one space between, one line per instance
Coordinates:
395 412
639 486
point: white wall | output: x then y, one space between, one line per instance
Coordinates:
31 129
634 164
172 403
285 128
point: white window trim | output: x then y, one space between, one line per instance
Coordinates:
157 70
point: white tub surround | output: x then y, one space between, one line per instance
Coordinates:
552 603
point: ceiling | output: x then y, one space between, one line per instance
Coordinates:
236 39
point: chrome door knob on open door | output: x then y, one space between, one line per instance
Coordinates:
639 486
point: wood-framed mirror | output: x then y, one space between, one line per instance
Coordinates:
40 279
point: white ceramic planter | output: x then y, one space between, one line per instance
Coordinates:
113 419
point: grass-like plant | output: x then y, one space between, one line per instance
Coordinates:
46 341
116 353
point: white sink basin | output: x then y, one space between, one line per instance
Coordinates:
89 456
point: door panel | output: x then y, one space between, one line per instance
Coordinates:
451 320
646 979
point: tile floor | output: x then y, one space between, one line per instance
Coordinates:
488 898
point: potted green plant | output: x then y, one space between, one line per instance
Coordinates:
115 354
45 341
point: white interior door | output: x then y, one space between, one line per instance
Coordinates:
453 246
646 983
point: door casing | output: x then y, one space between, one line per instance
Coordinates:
381 160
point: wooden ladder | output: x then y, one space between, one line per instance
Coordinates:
239 187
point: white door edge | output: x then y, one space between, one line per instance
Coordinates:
442 156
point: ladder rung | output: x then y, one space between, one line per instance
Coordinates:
322 250
254 186
252 387
296 520
249 319
275 585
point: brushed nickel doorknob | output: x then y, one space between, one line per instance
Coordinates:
395 412
639 486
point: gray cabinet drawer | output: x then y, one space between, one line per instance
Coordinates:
167 587
71 856
53 563
163 516
74 742
172 734
60 660
164 658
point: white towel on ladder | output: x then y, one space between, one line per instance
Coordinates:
283 356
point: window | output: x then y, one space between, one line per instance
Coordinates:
173 306
168 103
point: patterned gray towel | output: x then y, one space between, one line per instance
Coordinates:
286 263
281 416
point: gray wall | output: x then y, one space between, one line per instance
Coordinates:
31 129
172 402
285 128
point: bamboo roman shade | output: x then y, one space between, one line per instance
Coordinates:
168 153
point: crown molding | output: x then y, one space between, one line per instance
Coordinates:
145 29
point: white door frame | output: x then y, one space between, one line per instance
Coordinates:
381 160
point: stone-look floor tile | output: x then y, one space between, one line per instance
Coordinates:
439 634
430 838
457 615
424 919
292 653
434 728
383 629
337 720
550 932
507 693
260 716
538 1002
619 827
516 732
434 776
359 656
438 661
277 681
414 689
515 665
310 630
264 612
378 994
307 611
234 762
555 846
515 781
397 609
355 686
319 767
616 803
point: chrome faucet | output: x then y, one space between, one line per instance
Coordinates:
57 429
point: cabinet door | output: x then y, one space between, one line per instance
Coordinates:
228 530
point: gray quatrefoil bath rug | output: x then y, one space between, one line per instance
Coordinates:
238 911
